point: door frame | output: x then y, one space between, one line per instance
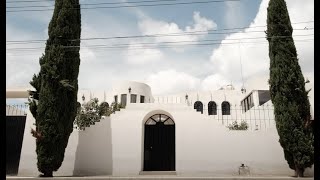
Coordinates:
146 117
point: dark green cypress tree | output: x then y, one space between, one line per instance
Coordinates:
54 101
287 89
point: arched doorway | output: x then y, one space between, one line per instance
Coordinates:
159 143
198 106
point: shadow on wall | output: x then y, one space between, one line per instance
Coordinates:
309 172
94 151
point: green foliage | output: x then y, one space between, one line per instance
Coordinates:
287 90
54 102
91 112
103 109
235 126
116 107
88 114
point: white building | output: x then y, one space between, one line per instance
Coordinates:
182 134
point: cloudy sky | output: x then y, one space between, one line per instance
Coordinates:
198 46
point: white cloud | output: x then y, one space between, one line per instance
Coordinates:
171 81
201 23
20 72
98 65
21 65
257 82
175 72
214 82
254 57
86 54
141 54
234 16
151 26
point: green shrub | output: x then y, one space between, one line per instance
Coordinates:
235 126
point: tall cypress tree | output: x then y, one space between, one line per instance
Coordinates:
287 89
54 101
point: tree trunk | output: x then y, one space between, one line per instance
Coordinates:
299 172
46 174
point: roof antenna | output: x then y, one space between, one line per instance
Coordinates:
243 89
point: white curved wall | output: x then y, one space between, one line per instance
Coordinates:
136 88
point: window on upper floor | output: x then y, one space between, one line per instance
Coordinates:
141 99
225 106
247 103
212 108
198 106
123 99
133 98
264 96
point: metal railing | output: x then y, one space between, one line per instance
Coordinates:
168 100
257 117
17 109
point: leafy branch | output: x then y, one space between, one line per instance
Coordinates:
91 112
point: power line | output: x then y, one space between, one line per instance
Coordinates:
28 1
173 42
255 44
130 6
194 44
156 45
127 2
160 35
91 4
139 36
200 46
131 37
168 42
241 64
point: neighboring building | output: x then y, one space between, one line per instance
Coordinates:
15 127
182 133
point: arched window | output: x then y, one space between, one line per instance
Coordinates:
198 106
159 119
225 106
212 108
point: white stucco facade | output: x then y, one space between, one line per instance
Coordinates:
203 143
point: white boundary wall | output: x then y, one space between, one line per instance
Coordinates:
203 146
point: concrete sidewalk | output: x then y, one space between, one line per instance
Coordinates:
168 177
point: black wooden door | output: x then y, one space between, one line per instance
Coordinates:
159 147
14 137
